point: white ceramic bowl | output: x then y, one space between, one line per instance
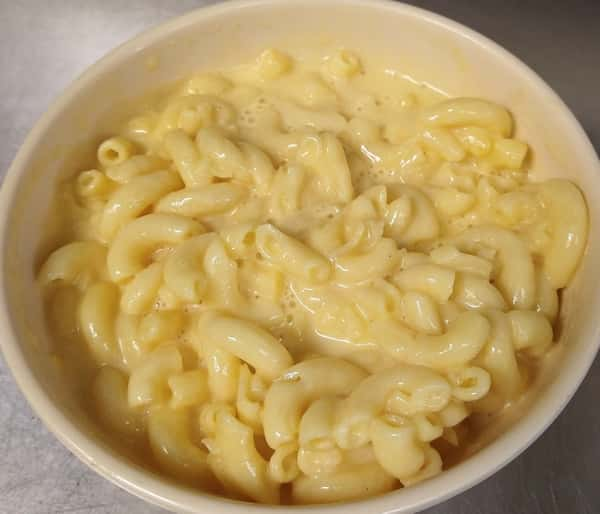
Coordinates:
429 47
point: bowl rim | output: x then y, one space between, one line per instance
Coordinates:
169 495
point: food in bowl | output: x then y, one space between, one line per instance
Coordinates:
298 282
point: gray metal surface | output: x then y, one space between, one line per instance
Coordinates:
44 44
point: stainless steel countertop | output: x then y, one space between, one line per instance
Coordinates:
44 44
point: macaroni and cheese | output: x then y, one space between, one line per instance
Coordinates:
297 284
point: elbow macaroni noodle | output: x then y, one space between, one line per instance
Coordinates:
310 276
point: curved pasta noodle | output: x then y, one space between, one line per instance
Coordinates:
374 264
78 264
171 444
289 396
139 295
353 481
131 248
110 395
283 465
469 111
325 155
476 293
97 315
183 272
428 392
135 166
291 255
463 340
410 216
516 275
397 448
421 313
235 461
192 168
130 200
148 381
435 281
565 209
530 330
203 200
249 343
499 359
223 372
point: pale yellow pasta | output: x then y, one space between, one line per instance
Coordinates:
355 478
135 166
462 341
475 140
159 326
240 240
316 426
134 243
237 464
148 381
272 63
308 278
261 282
207 84
566 212
132 199
435 281
530 329
92 183
547 296
286 189
469 384
469 111
432 467
443 142
516 276
202 201
397 448
169 433
453 414
290 255
324 156
476 293
343 64
283 464
450 202
421 313
451 257
192 168
222 273
115 150
427 390
248 342
428 427
410 217
378 262
313 462
223 372
207 418
188 388
247 405
140 293
78 264
183 272
508 153
287 398
110 396
97 316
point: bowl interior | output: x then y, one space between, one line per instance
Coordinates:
426 47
